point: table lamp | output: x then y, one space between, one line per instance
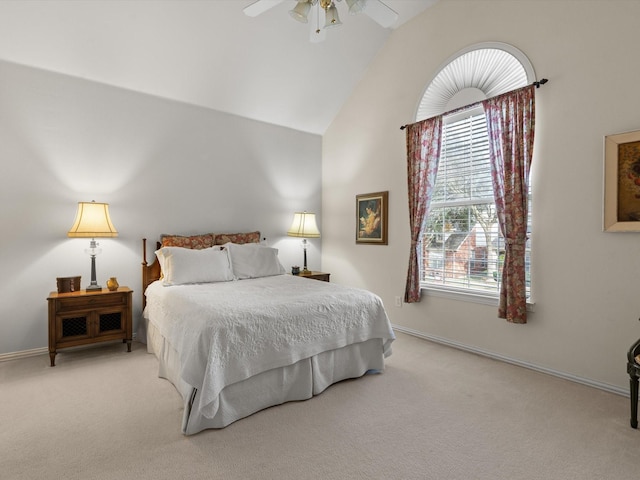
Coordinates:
304 225
92 221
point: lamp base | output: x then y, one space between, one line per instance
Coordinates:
93 286
305 270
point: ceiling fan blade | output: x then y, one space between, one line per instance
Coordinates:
381 13
317 33
260 6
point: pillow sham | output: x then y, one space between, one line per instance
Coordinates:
184 265
194 241
238 238
252 260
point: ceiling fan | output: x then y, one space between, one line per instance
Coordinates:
326 10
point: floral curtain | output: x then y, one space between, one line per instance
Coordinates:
423 153
510 126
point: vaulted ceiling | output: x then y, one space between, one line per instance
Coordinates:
203 52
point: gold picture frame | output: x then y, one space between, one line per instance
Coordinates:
622 182
372 210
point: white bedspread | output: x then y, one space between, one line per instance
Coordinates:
229 331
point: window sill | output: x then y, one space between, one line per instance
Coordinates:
466 296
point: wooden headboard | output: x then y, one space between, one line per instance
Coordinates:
150 273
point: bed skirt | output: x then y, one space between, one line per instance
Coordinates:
299 381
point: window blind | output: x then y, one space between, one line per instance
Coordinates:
461 244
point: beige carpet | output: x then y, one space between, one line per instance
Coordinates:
435 413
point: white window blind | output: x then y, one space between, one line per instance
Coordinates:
462 249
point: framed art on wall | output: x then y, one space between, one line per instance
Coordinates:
622 182
371 218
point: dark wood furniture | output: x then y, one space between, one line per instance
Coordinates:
84 318
150 272
316 276
633 368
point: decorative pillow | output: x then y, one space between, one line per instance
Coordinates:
252 260
195 241
185 265
238 238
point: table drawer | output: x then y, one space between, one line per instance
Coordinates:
89 302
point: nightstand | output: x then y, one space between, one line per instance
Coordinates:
84 318
316 276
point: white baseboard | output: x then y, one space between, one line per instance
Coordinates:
443 341
556 373
5 357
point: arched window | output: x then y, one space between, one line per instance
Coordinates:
461 247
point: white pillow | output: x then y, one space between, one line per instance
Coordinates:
184 265
252 260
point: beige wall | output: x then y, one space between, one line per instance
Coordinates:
585 282
163 166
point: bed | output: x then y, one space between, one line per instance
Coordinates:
235 334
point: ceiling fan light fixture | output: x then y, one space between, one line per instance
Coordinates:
331 17
312 11
301 11
356 6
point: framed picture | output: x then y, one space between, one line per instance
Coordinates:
371 218
622 182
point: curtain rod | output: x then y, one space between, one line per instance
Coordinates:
537 85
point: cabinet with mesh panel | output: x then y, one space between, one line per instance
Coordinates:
83 318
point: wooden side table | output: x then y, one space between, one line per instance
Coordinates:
84 318
324 277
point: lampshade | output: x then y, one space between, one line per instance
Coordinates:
301 11
304 225
331 17
92 221
356 6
